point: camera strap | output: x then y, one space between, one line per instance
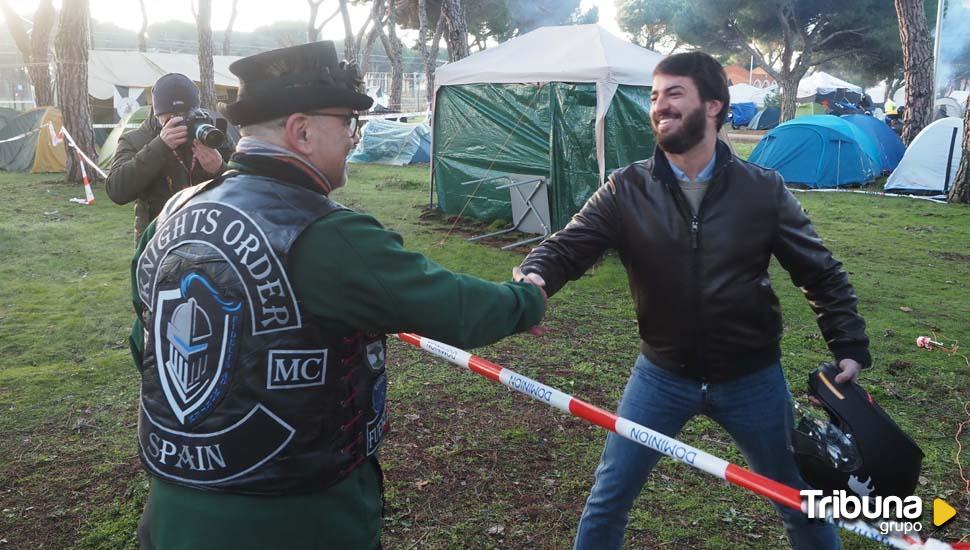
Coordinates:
188 169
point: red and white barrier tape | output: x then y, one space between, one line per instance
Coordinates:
20 136
681 452
64 135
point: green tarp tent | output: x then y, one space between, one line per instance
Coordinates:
107 153
568 103
25 141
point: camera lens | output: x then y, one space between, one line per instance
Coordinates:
209 135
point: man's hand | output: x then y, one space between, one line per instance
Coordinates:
536 280
531 278
174 133
850 371
209 158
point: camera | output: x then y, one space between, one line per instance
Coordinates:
210 132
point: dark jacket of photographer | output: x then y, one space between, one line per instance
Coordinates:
146 171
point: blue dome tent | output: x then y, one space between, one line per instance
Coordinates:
742 113
766 119
820 152
890 147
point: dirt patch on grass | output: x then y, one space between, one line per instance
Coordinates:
480 470
50 483
950 256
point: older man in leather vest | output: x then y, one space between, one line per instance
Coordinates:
262 312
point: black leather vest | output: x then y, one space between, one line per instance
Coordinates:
242 391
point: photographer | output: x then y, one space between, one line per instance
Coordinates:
161 157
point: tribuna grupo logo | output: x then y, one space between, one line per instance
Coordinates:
892 513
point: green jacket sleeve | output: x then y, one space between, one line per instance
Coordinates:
349 269
136 340
135 168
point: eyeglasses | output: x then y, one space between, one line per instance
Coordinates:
352 121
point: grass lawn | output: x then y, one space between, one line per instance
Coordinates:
467 463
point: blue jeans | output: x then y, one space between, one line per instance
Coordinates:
756 411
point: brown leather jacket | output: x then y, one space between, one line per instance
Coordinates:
700 284
147 172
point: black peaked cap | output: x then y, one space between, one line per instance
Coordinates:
296 79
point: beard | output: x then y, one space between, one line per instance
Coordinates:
690 133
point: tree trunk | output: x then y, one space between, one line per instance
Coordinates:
71 48
960 190
893 85
365 37
40 78
372 34
457 35
312 32
917 67
789 93
423 40
350 50
393 47
426 55
432 65
35 48
207 83
40 43
143 32
226 40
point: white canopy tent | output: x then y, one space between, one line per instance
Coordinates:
960 96
878 94
947 107
125 79
746 93
139 70
577 53
107 69
823 83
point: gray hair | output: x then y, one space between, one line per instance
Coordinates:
267 129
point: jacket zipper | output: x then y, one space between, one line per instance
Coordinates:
694 226
694 221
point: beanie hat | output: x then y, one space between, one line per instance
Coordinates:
174 93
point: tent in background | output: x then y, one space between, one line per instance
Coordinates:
33 152
890 147
567 103
110 146
819 151
765 119
960 96
394 143
8 114
947 107
742 113
746 93
821 86
878 94
931 160
120 82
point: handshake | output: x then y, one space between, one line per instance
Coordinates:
536 280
